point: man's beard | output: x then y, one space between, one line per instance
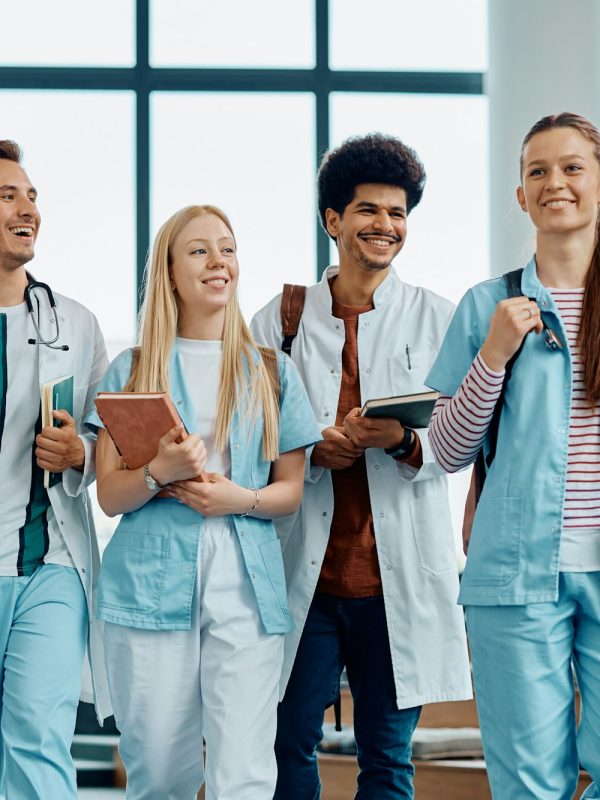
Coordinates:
11 262
362 259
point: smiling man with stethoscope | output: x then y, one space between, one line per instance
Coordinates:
48 551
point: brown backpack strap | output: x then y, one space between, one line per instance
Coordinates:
269 357
135 359
292 306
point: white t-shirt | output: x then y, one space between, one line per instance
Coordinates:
201 362
29 534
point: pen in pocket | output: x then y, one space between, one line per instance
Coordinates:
408 356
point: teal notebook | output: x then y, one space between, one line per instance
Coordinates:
412 410
57 395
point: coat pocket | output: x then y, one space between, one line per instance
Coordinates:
407 372
432 530
273 561
133 571
494 555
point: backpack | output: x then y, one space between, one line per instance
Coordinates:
483 463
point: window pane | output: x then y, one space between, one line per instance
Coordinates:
253 155
409 35
82 166
232 33
447 248
68 33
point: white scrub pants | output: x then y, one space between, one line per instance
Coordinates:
43 635
218 680
522 658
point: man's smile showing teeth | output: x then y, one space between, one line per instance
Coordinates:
558 203
377 242
22 231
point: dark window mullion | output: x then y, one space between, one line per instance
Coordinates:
322 89
142 141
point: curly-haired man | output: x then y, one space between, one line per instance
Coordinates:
370 559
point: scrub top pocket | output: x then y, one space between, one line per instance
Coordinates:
133 570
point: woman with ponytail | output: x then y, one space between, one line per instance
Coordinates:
531 585
192 587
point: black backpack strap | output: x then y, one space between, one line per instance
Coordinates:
482 464
292 306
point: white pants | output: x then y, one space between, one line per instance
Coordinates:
219 681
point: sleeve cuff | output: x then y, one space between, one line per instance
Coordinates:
74 481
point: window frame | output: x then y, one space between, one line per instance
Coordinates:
142 79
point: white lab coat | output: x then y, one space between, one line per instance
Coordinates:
411 516
86 360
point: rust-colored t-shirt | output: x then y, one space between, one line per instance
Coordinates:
350 567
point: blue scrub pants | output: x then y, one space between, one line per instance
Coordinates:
43 634
522 666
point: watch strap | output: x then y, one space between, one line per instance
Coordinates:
406 446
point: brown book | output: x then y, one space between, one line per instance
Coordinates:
136 421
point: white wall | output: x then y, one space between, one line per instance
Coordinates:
544 58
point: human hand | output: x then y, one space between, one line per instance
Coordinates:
384 432
57 449
512 320
214 497
336 451
178 458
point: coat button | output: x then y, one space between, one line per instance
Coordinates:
324 513
389 566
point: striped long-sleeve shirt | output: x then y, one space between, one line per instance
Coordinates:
459 425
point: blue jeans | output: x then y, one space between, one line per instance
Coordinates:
350 632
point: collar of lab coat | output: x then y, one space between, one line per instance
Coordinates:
383 293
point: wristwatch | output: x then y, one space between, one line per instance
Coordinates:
406 446
151 481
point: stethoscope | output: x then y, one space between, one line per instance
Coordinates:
28 294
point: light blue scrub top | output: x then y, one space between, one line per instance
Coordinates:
149 566
514 547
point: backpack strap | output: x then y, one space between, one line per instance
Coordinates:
135 359
482 465
292 306
269 357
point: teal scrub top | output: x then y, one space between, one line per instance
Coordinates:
149 566
515 541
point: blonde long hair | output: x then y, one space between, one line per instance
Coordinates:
243 371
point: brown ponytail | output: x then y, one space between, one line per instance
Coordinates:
588 338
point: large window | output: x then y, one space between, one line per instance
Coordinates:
129 109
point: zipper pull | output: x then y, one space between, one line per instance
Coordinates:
408 356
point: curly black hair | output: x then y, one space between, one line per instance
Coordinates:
374 158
